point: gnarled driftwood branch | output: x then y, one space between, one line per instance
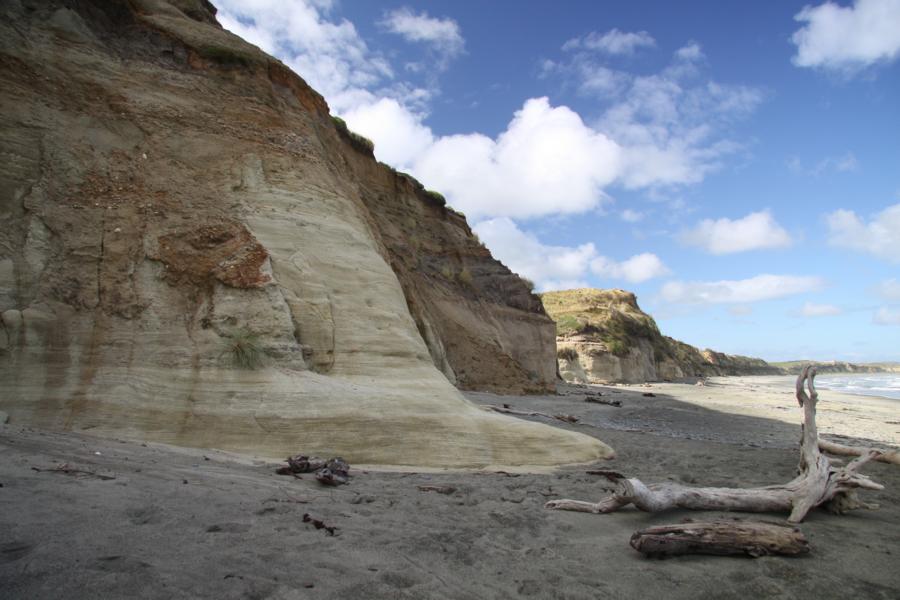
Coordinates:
819 482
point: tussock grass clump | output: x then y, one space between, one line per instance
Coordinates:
358 142
567 324
244 349
567 353
617 346
225 56
436 197
465 277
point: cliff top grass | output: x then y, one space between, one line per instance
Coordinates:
610 316
576 311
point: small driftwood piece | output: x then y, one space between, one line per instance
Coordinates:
722 538
65 469
886 456
440 489
598 399
507 410
818 483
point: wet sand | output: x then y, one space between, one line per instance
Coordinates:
165 522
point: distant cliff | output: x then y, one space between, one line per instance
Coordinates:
604 336
836 366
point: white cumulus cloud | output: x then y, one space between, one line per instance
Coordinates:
655 130
847 38
741 291
546 265
756 231
879 237
638 268
546 162
612 42
811 309
560 267
400 134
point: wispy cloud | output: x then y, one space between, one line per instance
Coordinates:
612 42
880 236
811 309
741 291
443 35
886 316
631 216
889 289
846 163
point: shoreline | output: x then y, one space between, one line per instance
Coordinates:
840 414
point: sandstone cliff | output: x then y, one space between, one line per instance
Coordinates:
604 336
193 251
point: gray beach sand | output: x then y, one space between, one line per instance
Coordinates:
165 522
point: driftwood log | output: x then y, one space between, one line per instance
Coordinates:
890 456
722 538
818 483
507 410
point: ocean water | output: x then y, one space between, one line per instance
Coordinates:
886 385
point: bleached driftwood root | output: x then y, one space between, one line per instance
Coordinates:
721 538
891 456
819 482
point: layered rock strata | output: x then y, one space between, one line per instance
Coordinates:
193 251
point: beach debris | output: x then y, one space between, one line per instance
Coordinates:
722 538
508 410
305 464
611 475
596 399
440 489
65 469
333 471
648 395
318 524
819 483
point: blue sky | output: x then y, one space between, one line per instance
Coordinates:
735 164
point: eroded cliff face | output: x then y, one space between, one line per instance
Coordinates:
604 337
173 202
483 326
